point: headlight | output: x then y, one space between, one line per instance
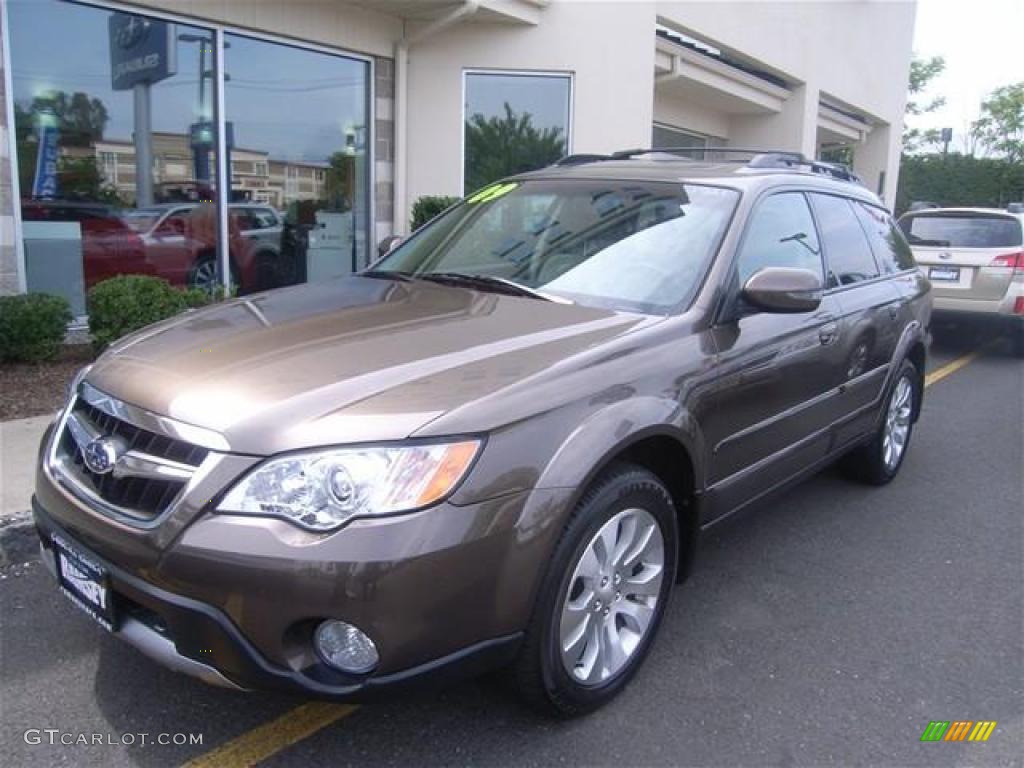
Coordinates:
321 490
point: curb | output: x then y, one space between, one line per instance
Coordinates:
18 542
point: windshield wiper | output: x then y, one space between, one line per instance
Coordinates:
492 282
387 274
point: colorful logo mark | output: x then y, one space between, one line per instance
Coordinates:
958 730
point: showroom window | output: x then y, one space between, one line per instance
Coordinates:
668 136
117 163
514 122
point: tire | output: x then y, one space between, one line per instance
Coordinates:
879 460
205 267
626 506
1017 338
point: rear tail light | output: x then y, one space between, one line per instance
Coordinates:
1018 306
1014 261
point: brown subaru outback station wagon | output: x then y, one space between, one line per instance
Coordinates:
497 446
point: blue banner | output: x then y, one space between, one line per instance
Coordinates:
45 182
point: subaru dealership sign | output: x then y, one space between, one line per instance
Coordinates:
44 183
141 50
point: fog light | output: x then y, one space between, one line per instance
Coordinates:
345 647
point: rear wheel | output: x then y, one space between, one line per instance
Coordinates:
879 460
1017 337
603 597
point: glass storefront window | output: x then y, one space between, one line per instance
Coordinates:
513 123
667 136
117 131
113 119
299 161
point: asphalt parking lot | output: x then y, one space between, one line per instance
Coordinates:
827 627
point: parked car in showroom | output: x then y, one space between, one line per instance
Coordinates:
496 447
180 245
109 246
974 258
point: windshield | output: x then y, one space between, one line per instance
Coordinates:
143 219
625 245
962 230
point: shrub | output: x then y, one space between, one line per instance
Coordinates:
127 303
32 326
429 206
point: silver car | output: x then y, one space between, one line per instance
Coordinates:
974 258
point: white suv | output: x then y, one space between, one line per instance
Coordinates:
974 258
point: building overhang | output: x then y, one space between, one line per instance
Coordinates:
684 73
426 11
839 126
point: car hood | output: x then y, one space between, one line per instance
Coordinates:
349 360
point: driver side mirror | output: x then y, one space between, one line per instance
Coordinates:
783 290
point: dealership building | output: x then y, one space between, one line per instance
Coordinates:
340 115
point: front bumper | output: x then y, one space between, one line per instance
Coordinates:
200 640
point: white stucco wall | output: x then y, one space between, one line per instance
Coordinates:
327 22
856 51
608 48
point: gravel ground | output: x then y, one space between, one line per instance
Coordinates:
32 389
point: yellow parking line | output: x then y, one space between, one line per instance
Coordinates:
270 738
949 368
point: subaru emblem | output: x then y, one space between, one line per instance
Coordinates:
100 455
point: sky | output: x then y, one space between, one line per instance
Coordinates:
294 104
982 42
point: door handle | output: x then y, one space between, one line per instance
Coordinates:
828 333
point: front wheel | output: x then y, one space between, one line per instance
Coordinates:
879 460
205 276
603 596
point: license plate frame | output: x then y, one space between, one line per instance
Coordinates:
84 582
944 274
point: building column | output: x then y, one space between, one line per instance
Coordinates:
10 278
793 129
877 161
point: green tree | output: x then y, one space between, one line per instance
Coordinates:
959 180
80 119
502 146
79 178
1000 129
922 73
339 179
80 122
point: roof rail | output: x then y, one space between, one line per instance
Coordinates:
761 158
581 159
797 160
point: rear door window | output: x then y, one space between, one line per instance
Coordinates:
962 230
848 255
781 234
891 249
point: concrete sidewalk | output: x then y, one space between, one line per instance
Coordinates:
19 444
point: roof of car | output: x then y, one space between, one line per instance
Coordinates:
961 210
663 167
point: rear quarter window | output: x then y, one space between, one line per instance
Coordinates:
847 251
961 230
887 242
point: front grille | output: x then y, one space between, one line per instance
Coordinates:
142 498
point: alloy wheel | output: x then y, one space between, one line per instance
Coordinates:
612 597
897 423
